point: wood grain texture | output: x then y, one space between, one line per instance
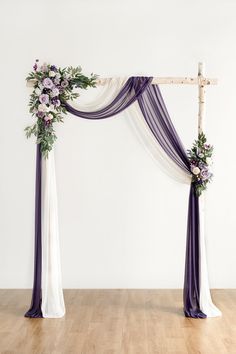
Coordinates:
117 322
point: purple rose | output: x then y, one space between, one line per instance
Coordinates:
56 102
44 98
53 68
61 89
47 83
202 165
205 174
47 122
40 114
64 83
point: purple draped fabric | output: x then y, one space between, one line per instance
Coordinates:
157 118
192 268
35 308
133 88
130 92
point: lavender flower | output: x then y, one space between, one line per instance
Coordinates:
40 114
64 83
56 102
48 117
202 165
205 174
44 98
47 83
61 89
53 68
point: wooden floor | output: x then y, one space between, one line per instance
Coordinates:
117 322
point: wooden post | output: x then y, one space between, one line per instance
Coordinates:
201 97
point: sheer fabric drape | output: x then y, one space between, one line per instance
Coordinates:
149 116
152 123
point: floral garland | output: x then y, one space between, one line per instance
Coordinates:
200 162
52 87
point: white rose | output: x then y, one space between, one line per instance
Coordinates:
55 92
38 91
196 170
209 161
48 117
43 108
52 73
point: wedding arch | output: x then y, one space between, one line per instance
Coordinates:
52 97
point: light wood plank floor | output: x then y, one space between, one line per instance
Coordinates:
117 322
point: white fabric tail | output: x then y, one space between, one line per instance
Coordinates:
206 304
52 294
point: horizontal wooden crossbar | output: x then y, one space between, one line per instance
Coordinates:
159 80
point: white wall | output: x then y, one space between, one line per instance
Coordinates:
122 221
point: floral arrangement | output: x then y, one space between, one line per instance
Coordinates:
53 86
200 162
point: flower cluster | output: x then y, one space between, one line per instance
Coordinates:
200 162
53 86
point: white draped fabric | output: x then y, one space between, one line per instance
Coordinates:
52 296
144 134
206 304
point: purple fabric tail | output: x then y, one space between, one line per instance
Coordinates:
192 266
35 308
